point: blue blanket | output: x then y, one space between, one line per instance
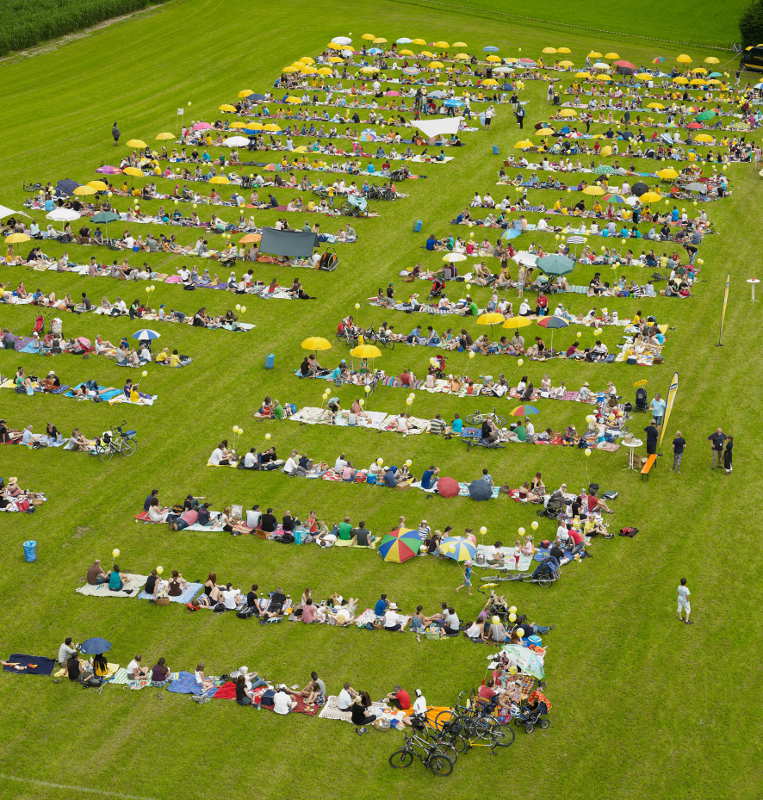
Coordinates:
42 665
185 683
190 592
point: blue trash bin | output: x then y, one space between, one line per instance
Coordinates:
270 361
496 150
30 550
417 226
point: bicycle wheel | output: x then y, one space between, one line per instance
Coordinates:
473 419
499 421
447 748
129 446
439 764
401 758
105 454
504 736
443 719
544 723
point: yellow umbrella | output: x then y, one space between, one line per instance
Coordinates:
544 132
226 107
594 191
419 41
491 318
612 55
291 70
606 150
655 105
426 54
524 144
641 382
714 82
603 78
697 82
368 70
245 92
650 197
17 238
566 64
405 52
380 40
443 45
700 137
238 124
337 60
99 186
134 171
583 74
316 343
493 58
369 37
325 71
565 50
667 174
272 127
459 56
365 351
489 82
699 71
307 60
219 179
568 112
712 60
517 322
308 70
136 143
549 50
164 136
83 190
644 76
595 54
460 44
684 59
436 65
293 100
681 80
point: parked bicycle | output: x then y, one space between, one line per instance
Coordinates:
479 417
115 443
431 754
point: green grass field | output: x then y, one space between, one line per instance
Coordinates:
643 706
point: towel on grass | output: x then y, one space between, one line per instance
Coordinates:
30 665
225 692
132 585
189 594
185 683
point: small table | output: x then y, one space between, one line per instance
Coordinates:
753 283
632 444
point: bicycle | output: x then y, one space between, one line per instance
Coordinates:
478 417
473 725
429 753
118 442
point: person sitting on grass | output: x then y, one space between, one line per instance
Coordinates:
359 710
160 673
96 574
116 579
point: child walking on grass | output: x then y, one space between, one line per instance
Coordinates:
467 584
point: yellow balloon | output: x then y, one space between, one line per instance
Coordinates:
521 531
520 632
483 530
159 570
115 552
512 617
367 389
534 525
512 609
268 436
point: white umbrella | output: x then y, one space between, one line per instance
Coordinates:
502 70
526 257
404 40
63 215
7 212
601 65
342 40
453 257
236 141
576 239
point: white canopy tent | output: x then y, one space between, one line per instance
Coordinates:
432 128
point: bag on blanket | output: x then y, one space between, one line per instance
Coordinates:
246 612
628 531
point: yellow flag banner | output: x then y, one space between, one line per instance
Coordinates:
723 310
671 399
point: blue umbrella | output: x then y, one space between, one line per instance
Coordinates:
511 233
146 333
453 102
553 322
556 264
95 646
374 51
491 48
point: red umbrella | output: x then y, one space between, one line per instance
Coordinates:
694 125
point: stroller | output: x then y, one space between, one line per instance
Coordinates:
531 718
641 399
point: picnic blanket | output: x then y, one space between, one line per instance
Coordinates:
189 594
132 585
185 683
509 563
30 665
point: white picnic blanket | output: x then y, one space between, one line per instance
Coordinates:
132 585
509 563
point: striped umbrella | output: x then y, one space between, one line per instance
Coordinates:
523 411
399 549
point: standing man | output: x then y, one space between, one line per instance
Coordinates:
115 134
489 114
679 445
717 440
652 434
684 604
520 114
658 409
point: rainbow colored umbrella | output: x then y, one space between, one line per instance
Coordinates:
397 549
458 548
523 411
553 322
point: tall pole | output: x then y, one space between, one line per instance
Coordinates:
723 311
